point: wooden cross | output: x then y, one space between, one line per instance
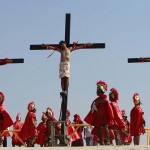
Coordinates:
67 40
10 61
139 60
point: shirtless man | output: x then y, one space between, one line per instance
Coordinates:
64 67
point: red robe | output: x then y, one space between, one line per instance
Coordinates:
28 128
79 141
71 132
16 126
104 115
41 128
136 121
118 119
4 62
126 138
7 120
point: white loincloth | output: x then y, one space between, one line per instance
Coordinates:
64 69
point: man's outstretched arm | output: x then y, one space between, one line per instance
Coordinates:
49 47
84 46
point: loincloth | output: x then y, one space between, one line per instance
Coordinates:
64 69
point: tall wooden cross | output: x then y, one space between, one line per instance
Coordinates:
67 40
10 61
139 60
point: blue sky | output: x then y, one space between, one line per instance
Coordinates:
124 26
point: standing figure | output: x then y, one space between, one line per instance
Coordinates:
72 134
28 132
119 123
101 115
88 135
41 128
64 67
77 120
5 120
137 121
50 117
125 135
17 126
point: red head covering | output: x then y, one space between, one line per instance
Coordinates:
102 83
51 111
30 105
116 94
44 115
77 118
68 113
135 97
123 113
3 97
18 116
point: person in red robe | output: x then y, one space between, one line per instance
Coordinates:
41 128
50 117
72 134
5 119
125 135
119 124
17 126
137 121
5 61
28 132
77 120
101 115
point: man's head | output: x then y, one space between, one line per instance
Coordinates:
136 99
44 117
18 117
68 113
31 107
62 45
124 114
113 95
49 112
101 87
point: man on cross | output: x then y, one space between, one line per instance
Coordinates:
64 67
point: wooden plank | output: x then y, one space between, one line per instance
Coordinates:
39 47
67 29
15 60
138 60
94 45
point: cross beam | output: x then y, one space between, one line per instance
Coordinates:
67 39
11 61
139 60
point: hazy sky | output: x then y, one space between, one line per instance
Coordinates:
124 26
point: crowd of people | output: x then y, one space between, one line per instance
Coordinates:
110 123
105 124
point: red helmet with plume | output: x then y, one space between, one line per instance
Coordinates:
68 113
123 113
115 92
136 97
102 85
31 105
50 111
